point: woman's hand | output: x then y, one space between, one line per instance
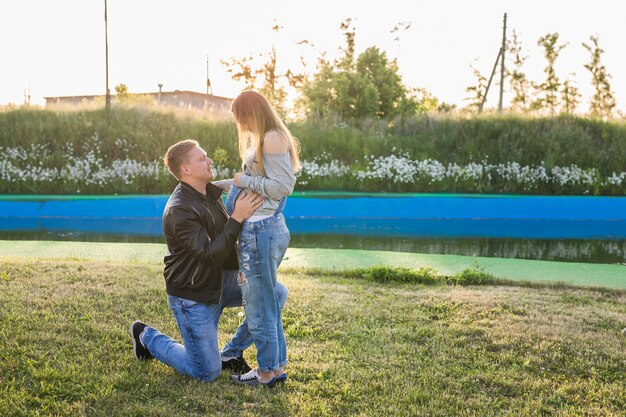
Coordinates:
223 184
236 179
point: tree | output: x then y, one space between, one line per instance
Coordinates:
271 89
373 65
570 97
241 70
274 83
420 100
519 83
356 96
478 91
346 63
366 87
397 29
548 90
603 102
121 92
346 94
319 92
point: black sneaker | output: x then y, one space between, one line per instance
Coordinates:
139 349
237 365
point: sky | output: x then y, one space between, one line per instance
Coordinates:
57 48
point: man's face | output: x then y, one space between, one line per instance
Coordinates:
200 166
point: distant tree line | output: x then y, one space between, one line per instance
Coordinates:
368 85
351 86
552 95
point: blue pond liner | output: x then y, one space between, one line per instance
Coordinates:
412 215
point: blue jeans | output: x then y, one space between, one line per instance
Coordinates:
199 357
261 248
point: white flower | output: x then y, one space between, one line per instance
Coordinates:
33 164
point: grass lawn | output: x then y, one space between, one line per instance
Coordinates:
355 347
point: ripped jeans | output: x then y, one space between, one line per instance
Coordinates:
261 248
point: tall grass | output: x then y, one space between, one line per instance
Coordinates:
146 133
143 134
563 140
560 141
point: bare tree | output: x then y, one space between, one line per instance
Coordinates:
602 102
478 90
273 82
397 30
519 83
547 92
347 62
570 97
241 70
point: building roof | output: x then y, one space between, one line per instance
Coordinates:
163 93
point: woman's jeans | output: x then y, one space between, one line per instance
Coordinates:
200 355
261 248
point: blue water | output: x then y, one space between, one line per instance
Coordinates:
589 229
432 228
504 239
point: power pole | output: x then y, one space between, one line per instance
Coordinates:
503 49
499 58
209 89
27 96
106 46
495 65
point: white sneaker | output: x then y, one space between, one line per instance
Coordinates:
252 378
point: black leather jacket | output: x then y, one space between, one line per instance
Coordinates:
201 240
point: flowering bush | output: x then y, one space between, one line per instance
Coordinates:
401 173
36 169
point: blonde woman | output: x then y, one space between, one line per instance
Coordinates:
270 157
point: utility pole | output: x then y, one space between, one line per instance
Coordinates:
495 66
499 58
209 89
27 96
106 46
502 65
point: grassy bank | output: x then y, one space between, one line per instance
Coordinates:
434 268
146 134
356 347
86 151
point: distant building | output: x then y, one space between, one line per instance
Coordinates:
180 99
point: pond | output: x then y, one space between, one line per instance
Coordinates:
580 229
571 250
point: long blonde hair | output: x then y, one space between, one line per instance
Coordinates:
255 117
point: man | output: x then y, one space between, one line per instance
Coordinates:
201 269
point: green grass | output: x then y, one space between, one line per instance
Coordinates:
356 347
143 134
147 133
425 276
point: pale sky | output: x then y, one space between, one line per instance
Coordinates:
56 48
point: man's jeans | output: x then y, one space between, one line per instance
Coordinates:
200 356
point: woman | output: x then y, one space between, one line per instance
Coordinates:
270 156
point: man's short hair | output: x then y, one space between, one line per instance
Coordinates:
177 155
